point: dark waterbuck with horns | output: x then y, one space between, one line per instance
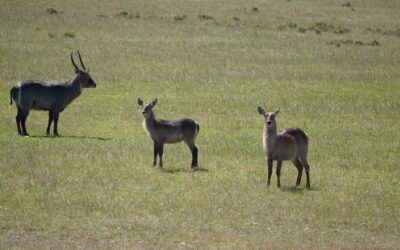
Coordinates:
53 97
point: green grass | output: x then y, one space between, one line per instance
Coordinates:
94 187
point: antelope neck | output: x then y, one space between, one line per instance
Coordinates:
150 120
270 137
75 88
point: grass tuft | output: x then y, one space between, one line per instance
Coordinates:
53 11
95 187
180 18
69 34
205 17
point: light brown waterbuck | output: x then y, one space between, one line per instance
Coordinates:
162 131
289 144
48 96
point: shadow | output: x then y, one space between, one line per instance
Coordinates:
294 189
71 137
175 170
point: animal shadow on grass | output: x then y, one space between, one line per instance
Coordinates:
176 170
73 137
294 189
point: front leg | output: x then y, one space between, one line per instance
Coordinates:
269 161
278 172
155 154
49 123
55 118
160 153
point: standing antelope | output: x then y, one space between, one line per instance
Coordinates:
162 131
52 97
289 144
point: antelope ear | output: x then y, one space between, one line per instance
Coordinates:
276 112
261 110
140 102
154 102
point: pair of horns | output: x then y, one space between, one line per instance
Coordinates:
80 59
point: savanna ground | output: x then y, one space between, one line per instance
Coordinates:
331 66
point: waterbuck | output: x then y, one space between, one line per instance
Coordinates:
289 144
162 131
53 97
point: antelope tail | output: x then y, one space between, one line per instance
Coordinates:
197 128
11 94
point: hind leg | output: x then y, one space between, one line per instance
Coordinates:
304 163
307 167
194 156
24 116
18 120
194 151
299 167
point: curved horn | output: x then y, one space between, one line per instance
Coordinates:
80 59
73 63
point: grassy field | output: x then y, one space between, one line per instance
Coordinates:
331 66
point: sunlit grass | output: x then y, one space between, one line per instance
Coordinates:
94 186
